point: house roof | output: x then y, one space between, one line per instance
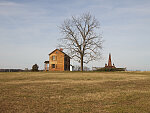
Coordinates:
60 51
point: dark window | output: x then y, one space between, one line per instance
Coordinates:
53 65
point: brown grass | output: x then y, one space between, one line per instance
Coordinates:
66 92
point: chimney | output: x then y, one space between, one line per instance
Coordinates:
61 49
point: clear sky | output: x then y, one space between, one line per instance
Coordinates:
29 30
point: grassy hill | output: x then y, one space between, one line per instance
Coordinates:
66 92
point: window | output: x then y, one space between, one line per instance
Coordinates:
53 58
53 65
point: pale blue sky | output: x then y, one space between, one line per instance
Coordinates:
29 30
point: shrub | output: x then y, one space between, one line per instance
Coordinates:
35 67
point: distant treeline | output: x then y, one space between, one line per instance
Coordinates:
16 70
11 70
111 69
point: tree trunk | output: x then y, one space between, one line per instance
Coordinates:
81 62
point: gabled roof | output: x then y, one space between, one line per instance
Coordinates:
60 51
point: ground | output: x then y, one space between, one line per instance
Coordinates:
66 92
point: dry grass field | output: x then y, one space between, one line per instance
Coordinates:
66 92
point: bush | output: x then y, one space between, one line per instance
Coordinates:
35 67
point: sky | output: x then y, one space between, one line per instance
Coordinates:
29 31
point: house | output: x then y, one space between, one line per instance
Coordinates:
58 61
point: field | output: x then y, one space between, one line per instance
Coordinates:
66 92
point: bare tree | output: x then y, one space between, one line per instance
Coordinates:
81 39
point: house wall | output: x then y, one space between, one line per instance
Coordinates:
59 62
66 63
